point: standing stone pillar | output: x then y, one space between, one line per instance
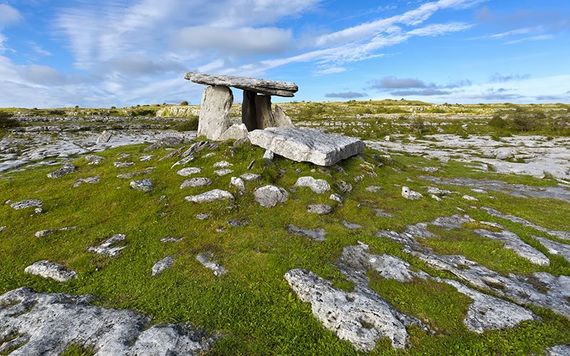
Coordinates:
248 111
263 111
215 112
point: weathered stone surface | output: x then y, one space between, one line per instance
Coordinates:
319 209
373 189
170 239
409 194
215 112
250 176
57 321
343 187
223 172
205 259
313 234
210 196
168 141
88 180
196 182
318 186
351 226
248 113
55 271
104 137
222 164
123 164
565 235
234 132
264 113
131 175
93 160
515 243
202 216
270 195
144 185
267 87
555 248
66 169
238 183
361 318
268 155
30 203
559 350
185 172
109 247
162 265
307 145
280 118
336 197
470 198
45 233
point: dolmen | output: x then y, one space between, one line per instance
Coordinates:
264 126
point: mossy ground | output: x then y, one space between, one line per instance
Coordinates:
252 306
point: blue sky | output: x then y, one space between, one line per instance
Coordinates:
125 52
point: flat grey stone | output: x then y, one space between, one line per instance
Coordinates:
268 87
30 203
109 247
559 350
131 175
123 164
144 185
319 209
45 233
185 172
196 182
409 194
210 196
223 172
313 234
93 160
55 271
250 176
238 183
513 242
318 186
351 226
57 321
564 235
307 145
373 189
234 132
336 197
555 248
88 180
205 259
66 169
162 265
270 196
222 164
104 137
145 158
202 216
170 239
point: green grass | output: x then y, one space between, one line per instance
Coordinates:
252 306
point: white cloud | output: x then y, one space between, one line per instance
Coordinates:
8 15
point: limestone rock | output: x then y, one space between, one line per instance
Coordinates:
57 321
222 164
307 145
564 235
313 234
88 180
223 172
196 182
238 183
66 169
104 137
267 87
123 164
318 186
555 248
469 198
269 196
55 271
250 176
410 194
319 209
109 247
280 118
185 172
210 196
45 233
162 265
145 158
343 187
169 239
559 350
336 197
93 160
215 112
235 132
30 203
268 155
144 185
264 114
205 259
515 243
351 226
202 216
248 112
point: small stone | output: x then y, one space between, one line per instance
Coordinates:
269 196
123 155
269 155
318 186
239 184
435 197
438 191
145 158
382 214
205 259
66 169
222 164
250 176
559 350
162 265
373 189
336 197
45 233
123 164
319 209
203 216
196 182
351 226
250 165
185 172
88 180
3 228
131 175
212 195
104 137
93 160
470 198
223 172
315 234
410 194
144 185
30 203
170 239
55 271
107 248
238 222
343 187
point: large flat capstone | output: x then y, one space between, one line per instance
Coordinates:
307 145
267 87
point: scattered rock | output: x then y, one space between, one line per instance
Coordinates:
222 164
223 172
373 189
108 247
318 186
162 265
196 182
410 194
315 234
145 158
66 169
513 242
319 209
57 321
564 235
439 192
269 196
131 175
104 137
343 187
235 132
210 196
30 203
382 214
185 172
123 164
144 185
205 259
250 177
336 197
3 228
46 233
239 222
559 350
88 180
170 239
93 160
351 226
168 141
238 183
203 216
469 198
47 269
269 155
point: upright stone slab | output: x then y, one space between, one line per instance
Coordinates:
263 111
215 112
248 113
307 145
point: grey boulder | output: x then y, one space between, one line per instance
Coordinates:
270 195
47 269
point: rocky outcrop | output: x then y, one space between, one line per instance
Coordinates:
307 145
196 182
206 260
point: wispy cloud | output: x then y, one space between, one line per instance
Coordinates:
501 78
346 95
415 87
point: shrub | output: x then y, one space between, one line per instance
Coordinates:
498 122
184 103
419 126
6 121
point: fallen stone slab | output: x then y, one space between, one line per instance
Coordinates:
25 204
307 145
210 196
313 234
267 87
108 247
270 195
45 233
234 132
185 172
318 186
66 169
57 321
162 265
205 259
47 269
